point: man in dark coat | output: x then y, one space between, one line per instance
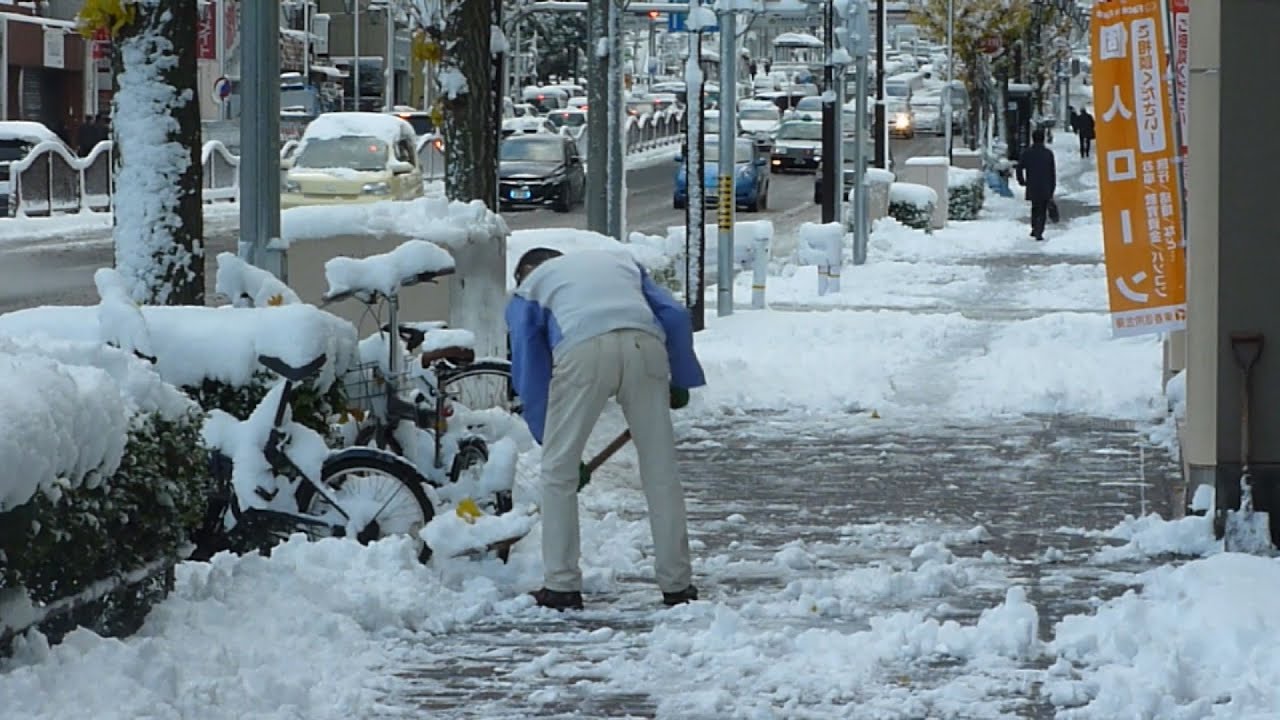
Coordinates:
1085 127
1038 173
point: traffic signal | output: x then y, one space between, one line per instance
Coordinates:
653 14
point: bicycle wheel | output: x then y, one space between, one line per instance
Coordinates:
480 385
381 496
368 436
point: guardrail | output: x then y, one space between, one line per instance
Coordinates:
51 180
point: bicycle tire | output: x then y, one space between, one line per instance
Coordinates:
489 386
336 471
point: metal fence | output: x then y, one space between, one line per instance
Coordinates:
51 180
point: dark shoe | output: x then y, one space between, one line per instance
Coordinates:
680 597
558 600
1039 238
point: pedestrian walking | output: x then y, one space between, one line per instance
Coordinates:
586 327
1085 126
1038 173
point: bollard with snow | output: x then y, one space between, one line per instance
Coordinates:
760 268
823 245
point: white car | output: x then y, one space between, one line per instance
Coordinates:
759 118
353 157
528 125
578 102
570 122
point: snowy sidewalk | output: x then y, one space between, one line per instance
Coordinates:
907 500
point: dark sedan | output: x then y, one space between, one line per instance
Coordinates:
540 169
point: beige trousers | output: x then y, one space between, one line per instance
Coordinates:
632 366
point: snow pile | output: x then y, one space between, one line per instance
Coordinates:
246 285
147 180
450 535
66 415
1198 641
119 316
385 273
921 196
446 223
820 244
1152 536
193 344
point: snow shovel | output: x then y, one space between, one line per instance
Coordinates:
1247 530
585 469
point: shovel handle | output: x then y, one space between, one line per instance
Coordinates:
609 450
1246 347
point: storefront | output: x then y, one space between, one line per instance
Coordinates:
44 63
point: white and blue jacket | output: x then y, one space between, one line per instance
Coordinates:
575 297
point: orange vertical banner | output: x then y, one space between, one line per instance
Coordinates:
1137 169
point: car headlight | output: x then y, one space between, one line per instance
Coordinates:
817 158
292 187
378 188
903 120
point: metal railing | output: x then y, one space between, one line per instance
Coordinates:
51 180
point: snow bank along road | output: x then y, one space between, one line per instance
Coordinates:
51 261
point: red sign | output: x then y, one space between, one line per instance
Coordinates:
207 33
991 45
101 44
230 23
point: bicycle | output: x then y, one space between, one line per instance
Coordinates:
446 377
334 493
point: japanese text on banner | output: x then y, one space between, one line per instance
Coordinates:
1138 179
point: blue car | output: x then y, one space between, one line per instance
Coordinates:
750 176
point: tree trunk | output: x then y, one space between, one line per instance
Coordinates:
470 144
158 216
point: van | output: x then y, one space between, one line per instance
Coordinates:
912 81
353 157
546 99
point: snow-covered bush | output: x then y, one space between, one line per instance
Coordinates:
104 475
912 205
966 191
212 353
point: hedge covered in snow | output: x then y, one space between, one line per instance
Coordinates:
104 475
912 204
966 191
212 352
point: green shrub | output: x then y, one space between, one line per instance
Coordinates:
912 205
966 192
144 512
311 407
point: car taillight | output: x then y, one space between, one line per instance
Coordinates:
438 144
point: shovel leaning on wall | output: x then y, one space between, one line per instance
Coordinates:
1247 530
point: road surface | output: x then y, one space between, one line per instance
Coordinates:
58 270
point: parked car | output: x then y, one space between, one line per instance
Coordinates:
750 180
540 169
17 139
798 145
353 157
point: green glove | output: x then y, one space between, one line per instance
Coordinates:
679 397
584 476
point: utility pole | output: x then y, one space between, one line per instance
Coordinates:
728 148
355 65
831 180
306 42
882 127
616 149
951 75
598 138
695 242
260 138
858 28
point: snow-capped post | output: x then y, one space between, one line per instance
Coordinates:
695 247
597 133
858 42
616 108
157 212
760 268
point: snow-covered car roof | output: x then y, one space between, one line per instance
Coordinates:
388 128
26 131
526 124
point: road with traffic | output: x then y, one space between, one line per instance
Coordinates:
44 269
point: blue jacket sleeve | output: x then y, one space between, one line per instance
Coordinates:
530 361
686 371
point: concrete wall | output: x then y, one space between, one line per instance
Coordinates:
306 277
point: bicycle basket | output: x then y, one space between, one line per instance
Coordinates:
366 385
